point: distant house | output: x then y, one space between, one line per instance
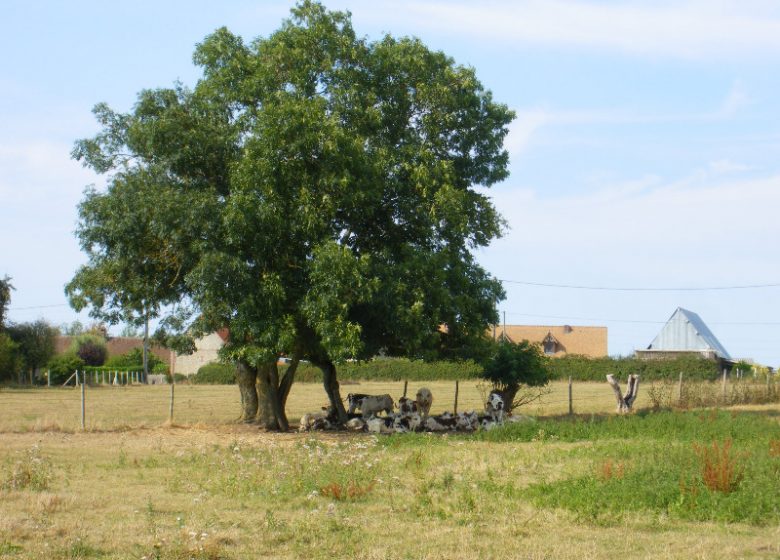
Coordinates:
560 340
206 352
685 333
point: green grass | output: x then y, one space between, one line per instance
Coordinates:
649 463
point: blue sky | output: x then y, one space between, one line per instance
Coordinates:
644 154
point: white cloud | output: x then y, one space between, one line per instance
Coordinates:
689 29
647 231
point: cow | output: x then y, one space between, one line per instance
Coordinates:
314 421
407 405
377 425
424 400
495 408
354 400
467 421
373 405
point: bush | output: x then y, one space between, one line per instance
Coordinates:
215 374
583 368
90 348
159 367
62 367
133 358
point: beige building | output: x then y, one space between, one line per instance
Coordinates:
206 351
559 340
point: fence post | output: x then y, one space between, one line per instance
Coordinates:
679 389
406 383
83 408
455 410
171 412
724 384
571 399
48 378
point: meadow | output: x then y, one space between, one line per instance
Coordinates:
594 485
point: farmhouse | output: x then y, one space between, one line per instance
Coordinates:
206 352
560 340
685 333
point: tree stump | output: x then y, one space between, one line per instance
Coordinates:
625 403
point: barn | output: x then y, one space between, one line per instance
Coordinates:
685 333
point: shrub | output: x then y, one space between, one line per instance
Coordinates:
134 357
215 374
90 348
515 365
160 367
61 367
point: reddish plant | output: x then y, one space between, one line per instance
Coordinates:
721 470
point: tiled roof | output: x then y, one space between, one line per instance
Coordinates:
587 341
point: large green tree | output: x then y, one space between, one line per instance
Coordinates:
315 192
35 344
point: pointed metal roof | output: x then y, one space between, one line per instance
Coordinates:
685 330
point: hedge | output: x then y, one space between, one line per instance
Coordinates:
215 374
583 368
580 368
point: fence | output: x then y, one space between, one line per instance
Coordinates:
98 406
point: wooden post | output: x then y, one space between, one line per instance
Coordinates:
679 389
170 418
83 408
724 384
571 399
48 378
406 383
455 409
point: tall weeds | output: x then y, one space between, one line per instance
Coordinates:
721 470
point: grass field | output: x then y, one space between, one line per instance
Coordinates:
596 486
111 408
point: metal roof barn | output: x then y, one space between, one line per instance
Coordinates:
685 331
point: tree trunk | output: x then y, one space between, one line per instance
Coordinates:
287 381
508 394
331 384
246 377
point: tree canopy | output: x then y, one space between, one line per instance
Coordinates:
315 192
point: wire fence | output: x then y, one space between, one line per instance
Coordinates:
97 406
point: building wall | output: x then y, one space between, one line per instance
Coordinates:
206 351
586 341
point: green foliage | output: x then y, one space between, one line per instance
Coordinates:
8 359
395 369
132 358
35 343
215 374
314 192
90 348
523 363
583 368
62 367
160 367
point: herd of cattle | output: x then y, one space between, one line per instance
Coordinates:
377 414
